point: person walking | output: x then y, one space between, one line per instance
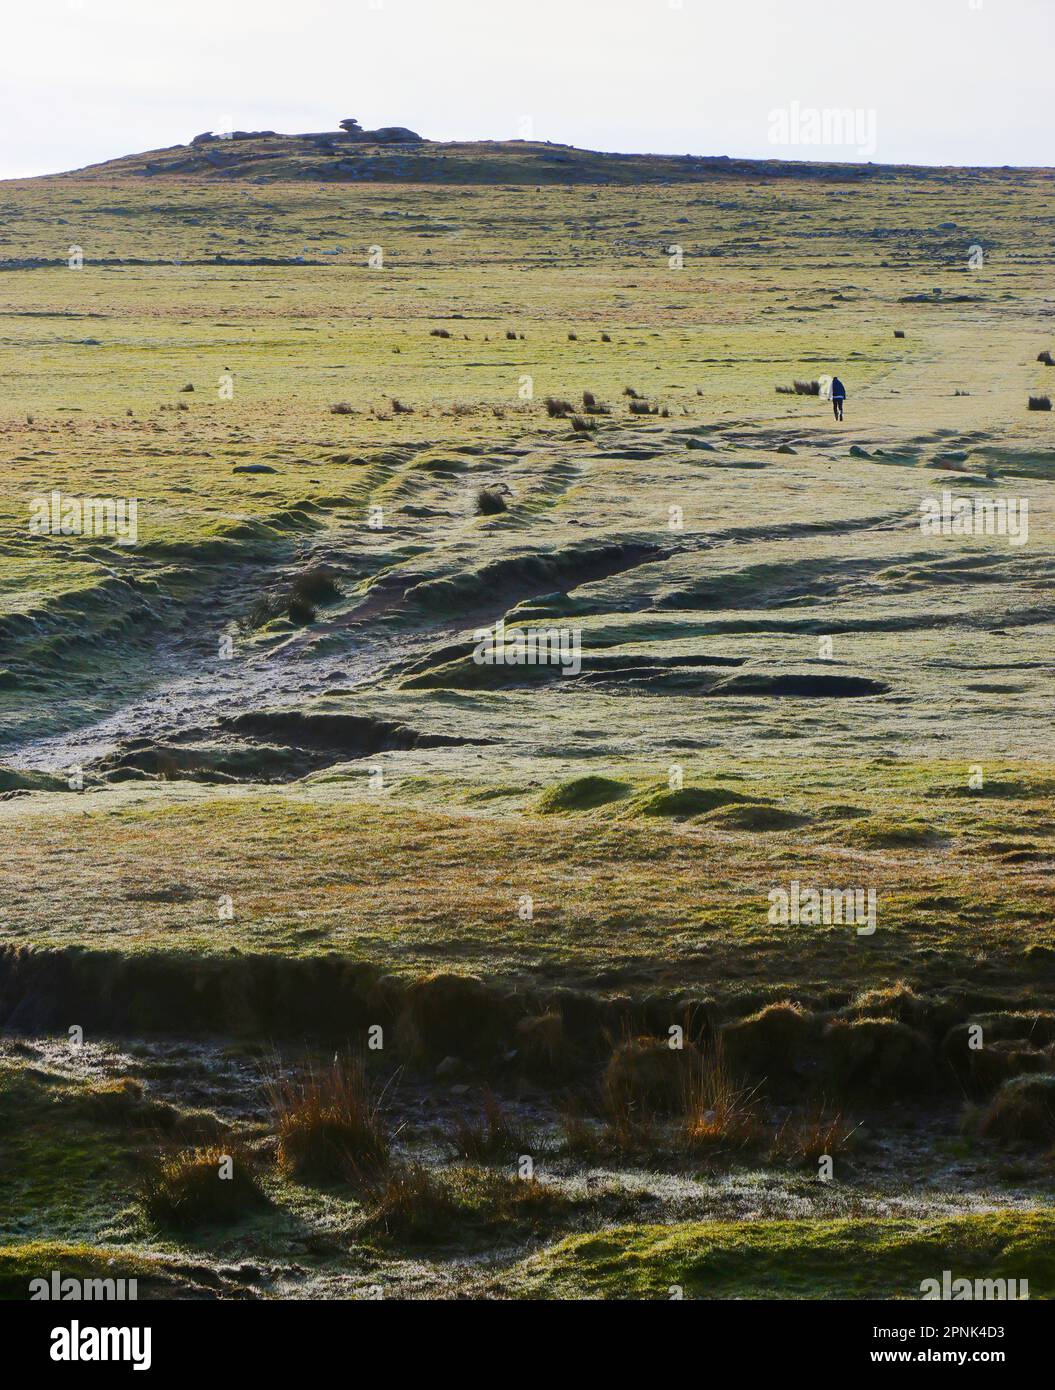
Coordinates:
838 396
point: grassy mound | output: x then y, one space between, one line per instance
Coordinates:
766 1045
201 1187
898 1000
753 816
38 1259
646 1074
416 1205
844 1259
877 1056
451 1015
581 794
15 779
1022 1110
882 832
688 801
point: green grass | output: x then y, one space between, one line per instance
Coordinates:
844 1259
782 678
19 1264
416 1206
65 1173
581 794
406 879
154 309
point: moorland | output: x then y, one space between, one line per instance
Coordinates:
336 963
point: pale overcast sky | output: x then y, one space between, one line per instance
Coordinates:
924 81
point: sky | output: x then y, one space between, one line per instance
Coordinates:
894 81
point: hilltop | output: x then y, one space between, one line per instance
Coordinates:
394 154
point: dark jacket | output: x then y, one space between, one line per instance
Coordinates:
838 390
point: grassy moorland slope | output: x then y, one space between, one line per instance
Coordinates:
266 157
299 809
